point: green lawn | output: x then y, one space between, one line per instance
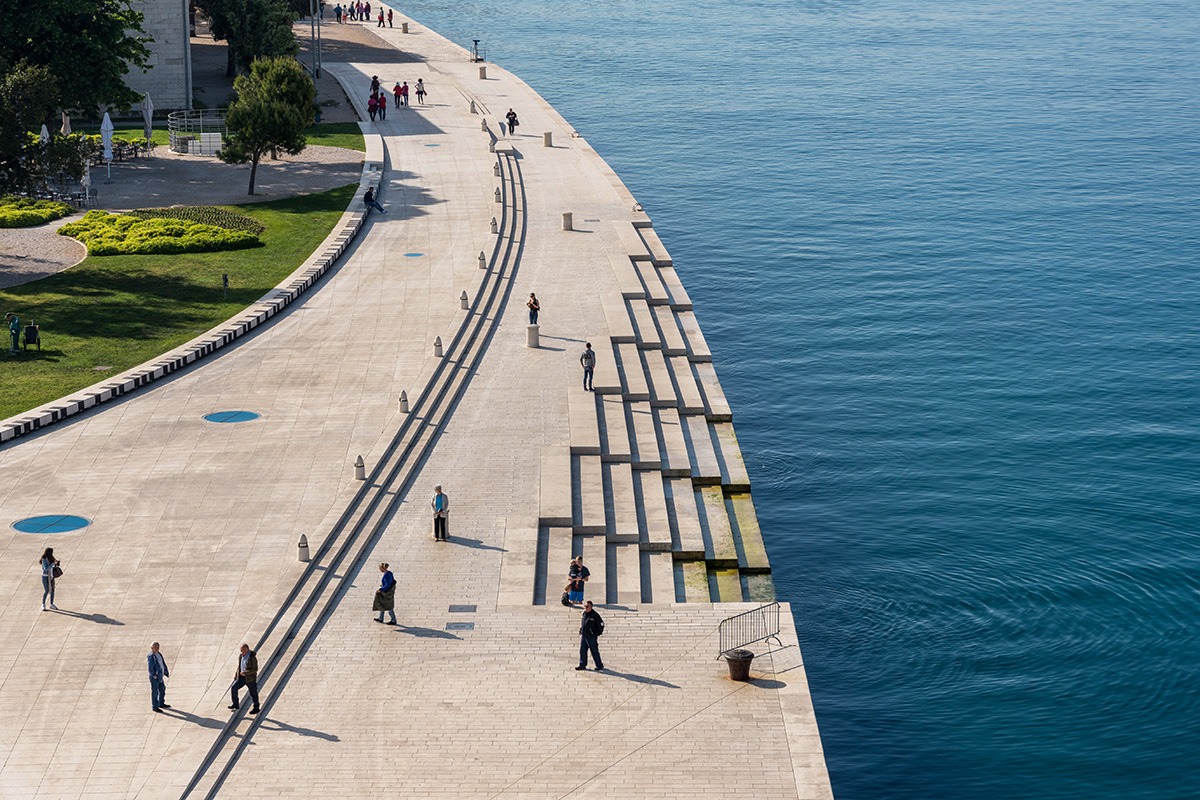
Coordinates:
119 311
337 134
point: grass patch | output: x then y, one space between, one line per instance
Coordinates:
118 311
107 234
337 134
21 212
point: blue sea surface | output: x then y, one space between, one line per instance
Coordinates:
946 256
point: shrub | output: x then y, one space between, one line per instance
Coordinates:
107 234
205 215
21 212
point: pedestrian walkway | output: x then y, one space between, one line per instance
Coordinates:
193 541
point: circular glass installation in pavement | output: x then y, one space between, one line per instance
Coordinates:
231 416
51 523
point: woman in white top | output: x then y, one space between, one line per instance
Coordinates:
48 562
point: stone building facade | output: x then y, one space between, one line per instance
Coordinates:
168 79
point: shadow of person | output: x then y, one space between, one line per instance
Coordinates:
203 722
425 633
283 726
474 543
98 618
629 676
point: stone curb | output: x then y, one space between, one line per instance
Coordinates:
270 304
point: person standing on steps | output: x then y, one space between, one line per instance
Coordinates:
588 360
421 91
534 307
591 627
513 122
578 577
246 675
385 595
158 675
441 508
49 565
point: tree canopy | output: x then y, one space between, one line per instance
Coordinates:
87 46
28 97
253 28
275 103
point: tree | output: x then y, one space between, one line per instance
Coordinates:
274 105
253 29
87 45
29 98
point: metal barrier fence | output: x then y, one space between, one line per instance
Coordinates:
197 133
752 626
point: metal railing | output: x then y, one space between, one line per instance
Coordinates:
197 133
749 627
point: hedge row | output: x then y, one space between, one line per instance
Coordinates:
205 215
21 212
107 234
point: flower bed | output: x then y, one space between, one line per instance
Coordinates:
20 212
205 215
107 234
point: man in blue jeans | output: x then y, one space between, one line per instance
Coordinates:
590 629
158 675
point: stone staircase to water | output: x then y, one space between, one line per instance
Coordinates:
651 489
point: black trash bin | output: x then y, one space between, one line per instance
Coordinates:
33 335
739 664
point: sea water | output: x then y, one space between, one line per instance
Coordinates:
946 257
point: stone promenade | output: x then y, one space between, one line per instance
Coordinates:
194 524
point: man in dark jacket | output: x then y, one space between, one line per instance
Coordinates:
158 675
590 629
246 675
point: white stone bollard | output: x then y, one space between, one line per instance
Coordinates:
463 303
404 402
531 336
437 347
491 145
473 109
568 221
483 125
360 469
404 27
495 226
497 194
496 170
548 139
302 549
482 260
482 72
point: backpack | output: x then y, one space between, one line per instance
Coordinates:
599 625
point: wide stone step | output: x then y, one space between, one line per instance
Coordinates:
662 389
616 314
687 389
680 300
588 495
645 328
670 334
658 251
720 550
658 577
629 282
519 564
607 376
716 407
759 588
752 553
728 585
615 439
625 563
656 291
729 455
594 549
672 443
583 419
705 467
633 374
631 242
554 491
645 438
621 503
697 346
653 520
686 531
559 552
695 582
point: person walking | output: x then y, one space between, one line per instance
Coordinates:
441 508
246 675
50 565
591 628
513 122
372 107
14 329
396 93
588 360
389 18
534 307
370 201
337 13
379 24
381 105
404 93
385 595
158 675
421 91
